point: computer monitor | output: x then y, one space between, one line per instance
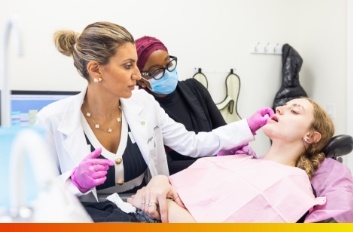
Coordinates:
25 104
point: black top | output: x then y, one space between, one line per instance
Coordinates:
134 166
192 105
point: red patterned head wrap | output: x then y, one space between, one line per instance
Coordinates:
145 46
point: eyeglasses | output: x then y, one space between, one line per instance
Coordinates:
159 73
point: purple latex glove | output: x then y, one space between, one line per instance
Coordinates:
242 149
259 119
91 171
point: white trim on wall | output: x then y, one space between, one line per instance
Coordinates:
350 76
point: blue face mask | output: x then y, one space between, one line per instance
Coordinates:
166 84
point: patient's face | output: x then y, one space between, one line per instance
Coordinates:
291 121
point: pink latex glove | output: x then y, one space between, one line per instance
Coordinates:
91 172
259 119
242 149
246 150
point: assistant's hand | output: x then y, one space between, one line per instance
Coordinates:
91 172
152 199
259 119
246 149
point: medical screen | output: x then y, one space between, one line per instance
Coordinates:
26 104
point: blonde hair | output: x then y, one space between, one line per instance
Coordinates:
98 41
313 155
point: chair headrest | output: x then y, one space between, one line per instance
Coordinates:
338 145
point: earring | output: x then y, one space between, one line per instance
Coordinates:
96 80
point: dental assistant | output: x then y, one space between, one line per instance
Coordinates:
110 137
187 101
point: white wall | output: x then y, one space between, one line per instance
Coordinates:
215 35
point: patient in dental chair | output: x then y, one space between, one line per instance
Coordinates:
239 188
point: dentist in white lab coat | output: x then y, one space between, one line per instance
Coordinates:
151 128
110 137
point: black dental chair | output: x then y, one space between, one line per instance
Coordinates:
338 146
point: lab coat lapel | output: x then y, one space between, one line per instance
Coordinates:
138 125
71 126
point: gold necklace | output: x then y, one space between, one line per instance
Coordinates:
97 125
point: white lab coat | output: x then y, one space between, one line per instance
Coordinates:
150 126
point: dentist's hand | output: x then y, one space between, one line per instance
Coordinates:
91 172
259 119
153 199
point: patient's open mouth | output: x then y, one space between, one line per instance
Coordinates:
274 118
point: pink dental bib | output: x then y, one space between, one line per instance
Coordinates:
238 188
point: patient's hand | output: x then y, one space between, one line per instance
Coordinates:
178 214
152 199
137 199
